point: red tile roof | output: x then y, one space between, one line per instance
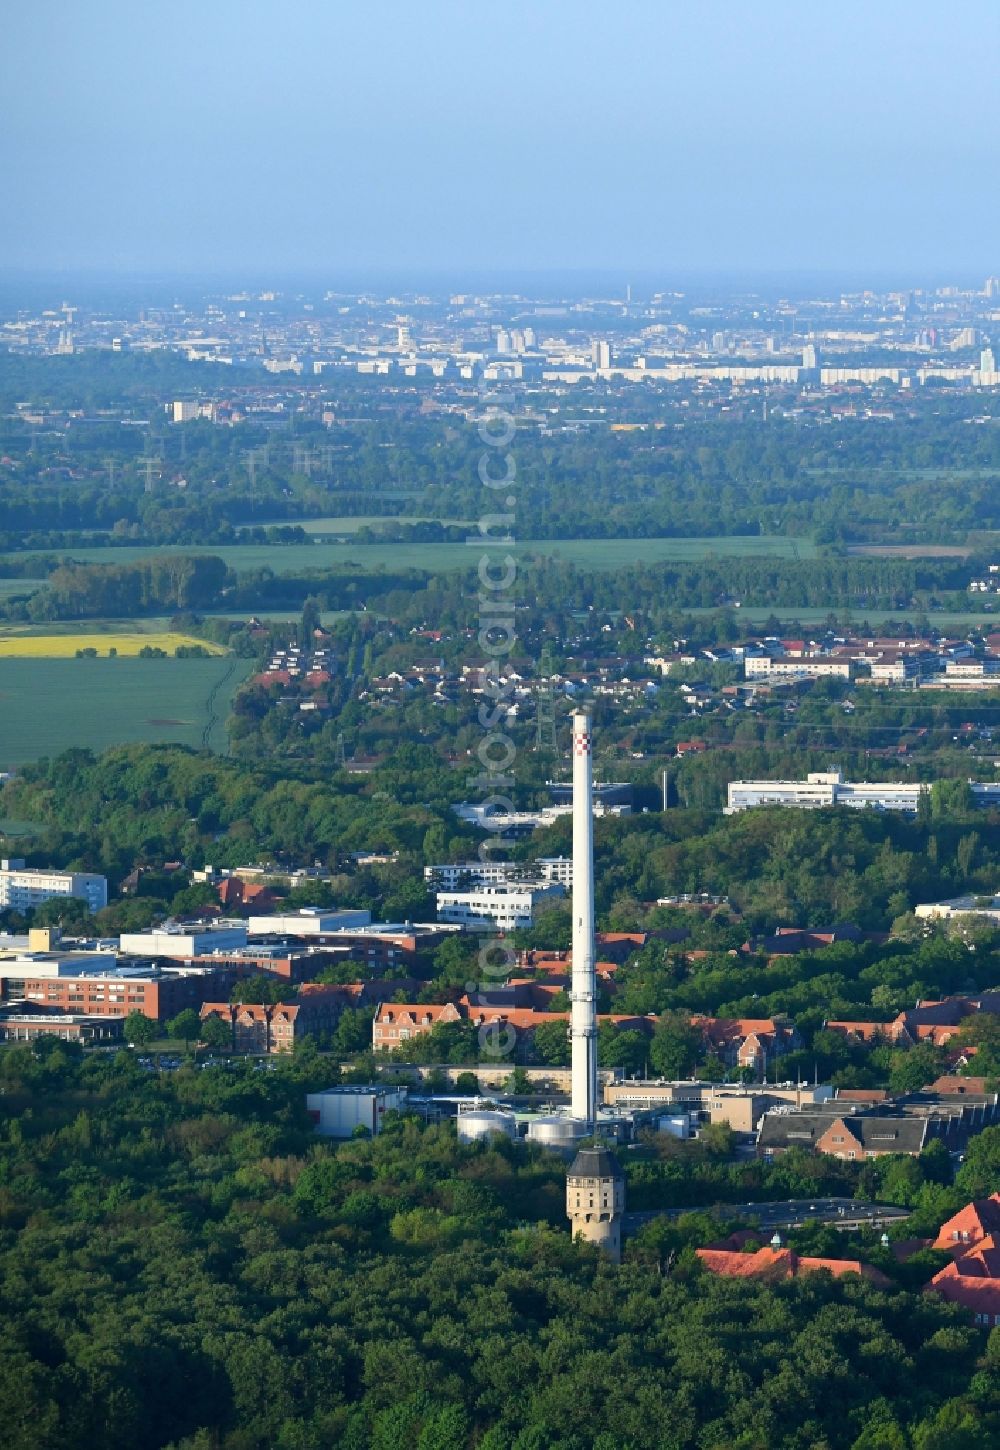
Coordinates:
783 1263
978 1295
956 1086
978 1220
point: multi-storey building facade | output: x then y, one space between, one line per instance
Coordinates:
463 874
495 908
276 1027
71 984
829 788
22 888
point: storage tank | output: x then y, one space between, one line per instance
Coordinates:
483 1124
557 1132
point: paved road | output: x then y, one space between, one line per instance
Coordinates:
787 1213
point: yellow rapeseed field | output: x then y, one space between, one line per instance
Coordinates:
65 646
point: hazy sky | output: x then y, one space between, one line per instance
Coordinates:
370 135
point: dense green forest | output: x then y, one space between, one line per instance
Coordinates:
707 476
184 1267
549 592
150 805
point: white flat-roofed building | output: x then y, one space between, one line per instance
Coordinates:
767 667
22 888
338 1111
309 922
894 672
985 908
509 822
828 788
184 942
557 869
987 669
454 876
495 908
819 789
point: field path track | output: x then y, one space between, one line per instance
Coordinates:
213 719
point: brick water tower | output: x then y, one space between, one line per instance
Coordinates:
595 1199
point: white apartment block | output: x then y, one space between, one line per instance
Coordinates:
21 889
460 874
495 908
766 667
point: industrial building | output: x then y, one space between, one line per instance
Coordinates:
310 921
184 943
338 1112
690 1104
610 797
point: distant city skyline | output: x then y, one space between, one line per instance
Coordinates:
388 141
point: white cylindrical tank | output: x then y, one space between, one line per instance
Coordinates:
557 1132
482 1124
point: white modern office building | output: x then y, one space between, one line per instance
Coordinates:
459 874
21 888
828 788
495 908
822 788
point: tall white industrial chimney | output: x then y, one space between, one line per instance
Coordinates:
583 997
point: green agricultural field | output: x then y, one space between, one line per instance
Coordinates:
348 523
149 627
47 706
443 558
9 588
753 617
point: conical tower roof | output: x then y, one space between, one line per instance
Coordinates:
597 1162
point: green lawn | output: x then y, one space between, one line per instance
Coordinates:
591 553
49 705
